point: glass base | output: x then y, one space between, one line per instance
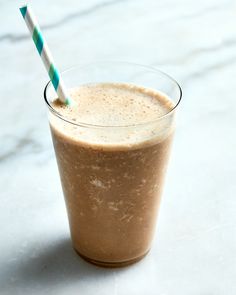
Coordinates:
111 264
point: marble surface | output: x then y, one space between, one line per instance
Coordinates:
194 249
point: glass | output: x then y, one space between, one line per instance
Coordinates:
112 188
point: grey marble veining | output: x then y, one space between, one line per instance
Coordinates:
194 249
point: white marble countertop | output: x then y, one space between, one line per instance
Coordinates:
194 249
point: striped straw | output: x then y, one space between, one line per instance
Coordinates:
45 53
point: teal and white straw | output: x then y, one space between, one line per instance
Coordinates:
45 53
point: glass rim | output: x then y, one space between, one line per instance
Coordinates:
88 125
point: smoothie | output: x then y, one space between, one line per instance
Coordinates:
112 147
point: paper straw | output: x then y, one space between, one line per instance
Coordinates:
45 53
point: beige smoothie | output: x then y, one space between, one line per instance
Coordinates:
112 150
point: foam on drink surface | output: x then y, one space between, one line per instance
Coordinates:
116 106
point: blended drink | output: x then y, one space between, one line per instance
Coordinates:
112 143
112 147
